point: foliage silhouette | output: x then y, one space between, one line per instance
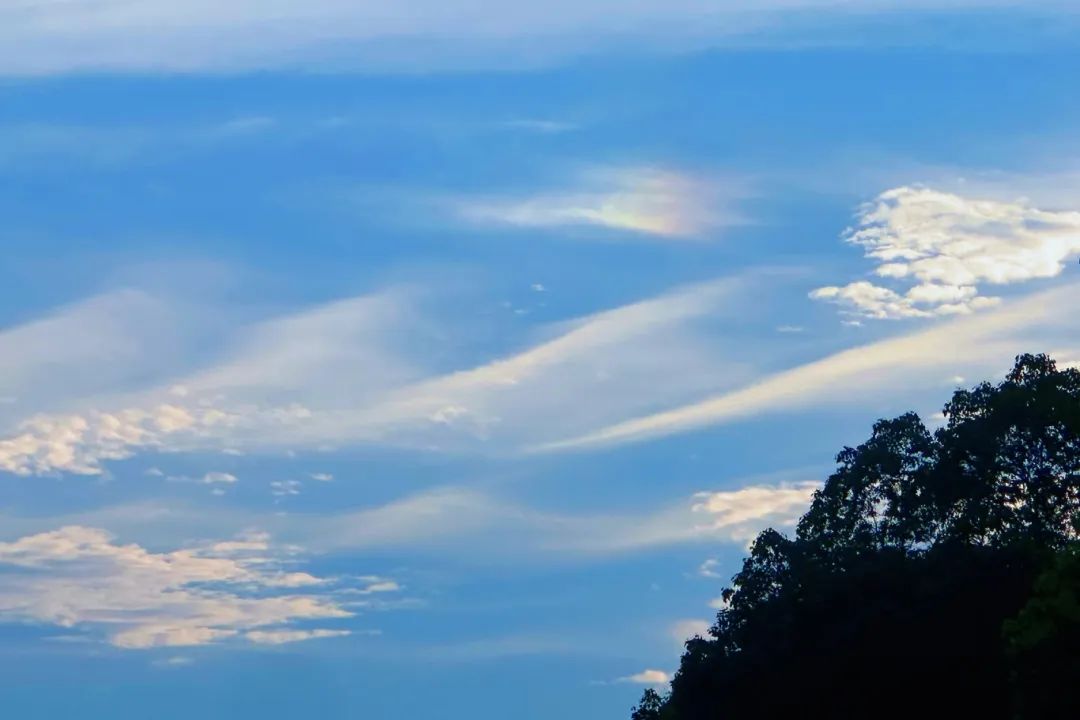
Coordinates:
935 574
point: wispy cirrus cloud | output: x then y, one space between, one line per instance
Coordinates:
344 374
644 201
283 637
944 247
462 522
239 589
725 515
972 346
41 36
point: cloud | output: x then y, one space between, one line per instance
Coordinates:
249 391
726 515
213 478
944 247
94 346
42 36
285 488
80 443
708 568
653 678
646 201
462 524
897 368
344 374
175 661
80 576
321 477
744 512
683 630
281 637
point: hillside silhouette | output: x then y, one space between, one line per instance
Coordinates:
935 575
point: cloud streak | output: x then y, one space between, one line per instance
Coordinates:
42 36
643 201
907 364
344 374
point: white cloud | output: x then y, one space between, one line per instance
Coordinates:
376 585
897 368
343 374
341 349
719 603
321 477
212 478
42 36
94 346
281 637
727 516
80 576
469 524
175 661
80 443
743 513
710 568
944 247
653 678
285 488
683 630
610 356
647 201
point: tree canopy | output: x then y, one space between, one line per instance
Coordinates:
935 574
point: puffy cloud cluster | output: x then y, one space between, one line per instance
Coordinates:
79 576
943 247
80 443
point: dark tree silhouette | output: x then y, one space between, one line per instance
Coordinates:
935 575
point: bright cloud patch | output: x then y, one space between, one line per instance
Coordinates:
647 677
79 576
939 249
642 200
742 514
727 515
683 630
79 443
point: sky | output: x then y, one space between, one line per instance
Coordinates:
440 360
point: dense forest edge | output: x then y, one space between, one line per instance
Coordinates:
936 574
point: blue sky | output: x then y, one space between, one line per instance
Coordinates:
439 360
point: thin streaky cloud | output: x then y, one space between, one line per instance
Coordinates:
976 345
42 37
361 384
648 202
